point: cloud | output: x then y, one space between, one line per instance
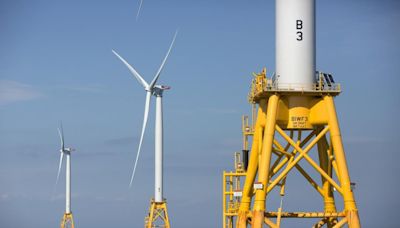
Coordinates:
12 91
4 197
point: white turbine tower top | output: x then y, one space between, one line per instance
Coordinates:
151 88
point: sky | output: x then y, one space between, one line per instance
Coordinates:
56 65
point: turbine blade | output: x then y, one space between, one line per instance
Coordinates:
146 114
163 62
132 70
140 7
61 134
59 166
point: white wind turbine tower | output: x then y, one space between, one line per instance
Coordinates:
67 220
158 205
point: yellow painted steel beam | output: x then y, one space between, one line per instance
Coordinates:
323 173
279 216
329 200
285 160
336 138
282 152
276 152
313 164
274 165
264 163
320 223
288 144
270 223
283 186
291 158
310 180
335 167
297 159
230 187
340 223
252 166
333 162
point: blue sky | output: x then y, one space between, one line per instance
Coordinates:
56 64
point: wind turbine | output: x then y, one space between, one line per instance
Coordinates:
159 204
67 220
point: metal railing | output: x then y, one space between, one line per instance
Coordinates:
267 85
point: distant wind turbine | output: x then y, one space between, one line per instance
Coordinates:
67 220
157 91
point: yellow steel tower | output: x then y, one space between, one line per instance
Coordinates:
289 124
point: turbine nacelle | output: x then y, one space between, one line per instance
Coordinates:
162 87
159 89
67 150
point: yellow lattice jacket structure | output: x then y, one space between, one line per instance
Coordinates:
289 124
158 215
67 221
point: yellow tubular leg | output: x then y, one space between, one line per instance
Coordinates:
329 200
349 203
252 167
264 163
